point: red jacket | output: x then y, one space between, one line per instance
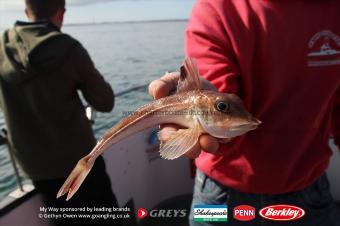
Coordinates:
283 59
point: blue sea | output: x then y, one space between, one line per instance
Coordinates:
128 55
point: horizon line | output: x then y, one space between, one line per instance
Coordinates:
126 22
118 22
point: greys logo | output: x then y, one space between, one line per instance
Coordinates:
168 213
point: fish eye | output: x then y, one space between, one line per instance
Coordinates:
223 106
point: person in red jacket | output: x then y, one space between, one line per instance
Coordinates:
283 59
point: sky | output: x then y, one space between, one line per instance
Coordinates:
89 11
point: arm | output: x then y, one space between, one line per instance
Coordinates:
207 41
97 92
336 118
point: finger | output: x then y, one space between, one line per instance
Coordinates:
194 151
209 143
166 133
164 86
173 126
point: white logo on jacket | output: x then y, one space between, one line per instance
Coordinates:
324 49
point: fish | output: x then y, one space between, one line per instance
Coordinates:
195 110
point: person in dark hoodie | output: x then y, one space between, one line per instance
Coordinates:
41 72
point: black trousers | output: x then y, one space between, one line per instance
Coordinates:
95 192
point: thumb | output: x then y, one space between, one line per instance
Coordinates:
209 143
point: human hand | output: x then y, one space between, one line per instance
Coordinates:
164 87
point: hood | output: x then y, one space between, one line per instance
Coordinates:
32 49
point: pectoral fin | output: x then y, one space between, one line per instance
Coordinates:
179 142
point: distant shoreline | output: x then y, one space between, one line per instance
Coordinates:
114 22
125 22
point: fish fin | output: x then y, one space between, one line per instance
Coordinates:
189 77
76 178
179 142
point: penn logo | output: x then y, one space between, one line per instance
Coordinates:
244 213
282 212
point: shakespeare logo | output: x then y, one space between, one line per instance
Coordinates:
205 213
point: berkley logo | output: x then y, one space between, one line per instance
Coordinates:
282 212
244 213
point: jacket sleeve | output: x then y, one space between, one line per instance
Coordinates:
336 118
208 43
97 92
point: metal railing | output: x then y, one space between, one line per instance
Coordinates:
4 141
131 90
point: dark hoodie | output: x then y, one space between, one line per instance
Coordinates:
41 70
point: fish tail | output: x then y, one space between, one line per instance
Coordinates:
76 178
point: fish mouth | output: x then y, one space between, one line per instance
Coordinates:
247 126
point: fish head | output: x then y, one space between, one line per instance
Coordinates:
225 115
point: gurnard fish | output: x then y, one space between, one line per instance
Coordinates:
194 109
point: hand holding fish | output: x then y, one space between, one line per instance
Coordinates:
194 108
164 87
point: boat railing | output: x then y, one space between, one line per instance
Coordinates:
4 141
